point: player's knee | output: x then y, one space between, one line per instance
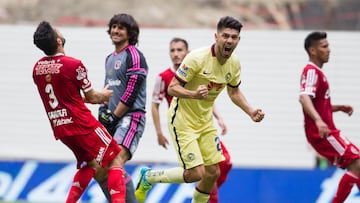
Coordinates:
194 174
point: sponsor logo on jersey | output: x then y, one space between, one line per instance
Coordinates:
182 70
113 82
47 67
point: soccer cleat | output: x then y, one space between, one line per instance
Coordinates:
143 185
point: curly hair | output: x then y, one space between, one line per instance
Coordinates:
129 23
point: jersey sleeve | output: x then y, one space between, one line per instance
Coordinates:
159 90
188 68
82 78
235 80
136 75
309 82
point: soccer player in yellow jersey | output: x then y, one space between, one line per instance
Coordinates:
203 74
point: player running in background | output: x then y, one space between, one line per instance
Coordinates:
60 79
179 48
320 129
125 73
202 75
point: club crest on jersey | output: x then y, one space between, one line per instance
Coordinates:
81 73
227 77
117 65
190 157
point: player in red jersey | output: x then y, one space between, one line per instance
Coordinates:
320 129
178 50
60 79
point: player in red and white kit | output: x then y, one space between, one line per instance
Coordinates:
320 129
178 50
60 79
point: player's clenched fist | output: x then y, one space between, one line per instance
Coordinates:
257 115
201 92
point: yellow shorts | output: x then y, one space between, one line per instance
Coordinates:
196 147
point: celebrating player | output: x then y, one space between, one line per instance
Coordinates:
202 75
178 50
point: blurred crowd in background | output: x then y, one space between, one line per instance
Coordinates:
255 14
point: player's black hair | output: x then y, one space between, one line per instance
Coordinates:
129 23
178 39
229 22
45 38
312 38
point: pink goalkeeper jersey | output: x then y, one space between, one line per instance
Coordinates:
314 83
59 80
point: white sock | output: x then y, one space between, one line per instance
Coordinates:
171 175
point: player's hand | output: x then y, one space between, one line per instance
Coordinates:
162 140
201 92
222 126
108 119
257 115
107 93
323 128
347 109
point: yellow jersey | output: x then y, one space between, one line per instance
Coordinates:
201 67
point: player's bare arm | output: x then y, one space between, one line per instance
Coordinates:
309 109
95 97
238 98
221 122
162 141
176 89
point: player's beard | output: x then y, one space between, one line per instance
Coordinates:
119 43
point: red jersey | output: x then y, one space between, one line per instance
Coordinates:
162 83
314 83
59 80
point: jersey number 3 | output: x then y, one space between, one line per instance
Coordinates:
53 102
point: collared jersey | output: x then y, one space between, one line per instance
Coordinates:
201 67
126 75
313 82
59 80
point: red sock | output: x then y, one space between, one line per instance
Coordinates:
214 195
345 185
116 184
80 182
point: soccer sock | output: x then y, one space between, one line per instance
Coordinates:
225 167
116 184
104 187
214 195
345 185
130 189
172 175
80 182
200 197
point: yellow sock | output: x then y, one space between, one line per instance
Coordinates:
200 197
172 175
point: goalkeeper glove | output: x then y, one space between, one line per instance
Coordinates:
108 119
